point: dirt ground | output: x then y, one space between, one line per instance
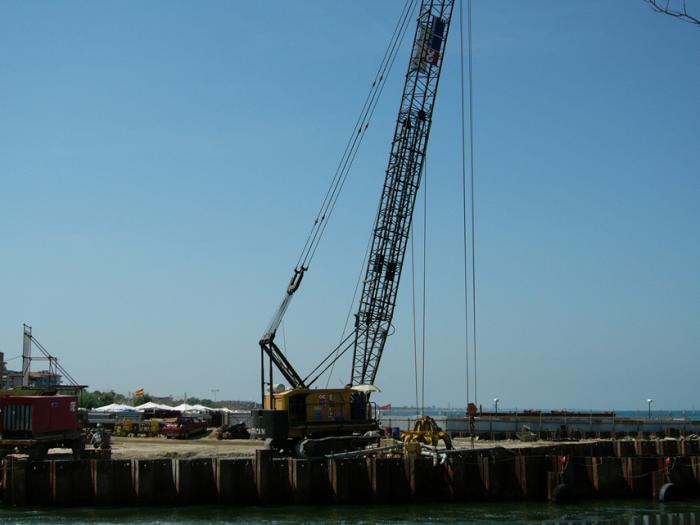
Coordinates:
510 443
209 447
204 447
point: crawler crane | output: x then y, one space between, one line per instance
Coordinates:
313 421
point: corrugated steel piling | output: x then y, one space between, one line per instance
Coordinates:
388 481
112 482
38 477
528 471
70 482
349 481
154 482
263 475
235 482
590 470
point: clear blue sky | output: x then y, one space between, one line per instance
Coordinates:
160 164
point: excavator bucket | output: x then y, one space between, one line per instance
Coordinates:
427 431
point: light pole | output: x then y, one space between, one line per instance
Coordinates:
495 404
214 391
649 402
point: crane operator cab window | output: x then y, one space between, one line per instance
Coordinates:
358 406
297 408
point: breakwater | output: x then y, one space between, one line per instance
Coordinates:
550 426
604 469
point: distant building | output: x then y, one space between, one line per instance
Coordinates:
13 378
238 405
163 400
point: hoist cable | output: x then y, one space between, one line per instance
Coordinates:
471 157
352 303
464 198
358 134
413 301
425 241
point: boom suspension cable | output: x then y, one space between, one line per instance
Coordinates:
355 140
341 173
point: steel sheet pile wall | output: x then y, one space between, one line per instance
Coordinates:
593 470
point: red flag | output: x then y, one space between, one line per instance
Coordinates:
385 407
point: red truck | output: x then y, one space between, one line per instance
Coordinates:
34 424
185 427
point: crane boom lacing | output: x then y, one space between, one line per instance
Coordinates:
403 175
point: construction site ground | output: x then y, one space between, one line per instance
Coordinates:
210 447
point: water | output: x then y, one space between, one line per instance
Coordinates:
600 512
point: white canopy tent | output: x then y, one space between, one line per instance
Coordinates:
202 408
153 406
116 407
184 407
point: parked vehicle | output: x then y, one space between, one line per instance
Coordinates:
151 427
233 431
125 428
34 424
185 427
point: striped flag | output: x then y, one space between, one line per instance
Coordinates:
139 393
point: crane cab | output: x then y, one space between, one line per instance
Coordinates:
299 413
